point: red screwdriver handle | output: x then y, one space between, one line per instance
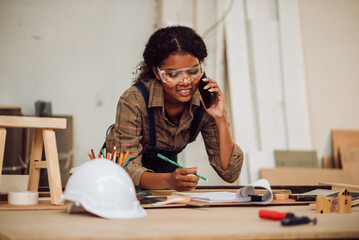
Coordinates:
273 215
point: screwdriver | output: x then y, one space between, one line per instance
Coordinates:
287 219
274 215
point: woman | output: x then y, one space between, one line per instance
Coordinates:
163 111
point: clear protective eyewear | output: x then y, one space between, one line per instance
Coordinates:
175 76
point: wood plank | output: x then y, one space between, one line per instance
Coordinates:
350 158
10 107
285 158
42 205
293 74
309 176
304 176
327 162
350 162
2 147
36 155
32 122
343 138
244 125
266 74
53 168
40 164
350 187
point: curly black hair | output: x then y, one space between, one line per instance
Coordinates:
165 42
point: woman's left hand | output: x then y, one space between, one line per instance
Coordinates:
217 109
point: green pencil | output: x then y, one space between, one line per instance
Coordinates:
102 153
178 165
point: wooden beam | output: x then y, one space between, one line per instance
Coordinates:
341 185
238 62
293 76
53 168
40 164
36 155
2 147
32 122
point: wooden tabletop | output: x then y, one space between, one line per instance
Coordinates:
178 223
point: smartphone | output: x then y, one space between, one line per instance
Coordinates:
206 95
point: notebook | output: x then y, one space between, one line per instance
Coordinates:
245 194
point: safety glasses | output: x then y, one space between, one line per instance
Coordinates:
175 76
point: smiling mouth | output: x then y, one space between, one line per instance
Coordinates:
184 92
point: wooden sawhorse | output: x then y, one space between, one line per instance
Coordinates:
44 137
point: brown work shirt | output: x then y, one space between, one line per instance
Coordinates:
131 131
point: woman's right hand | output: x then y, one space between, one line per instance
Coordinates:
183 179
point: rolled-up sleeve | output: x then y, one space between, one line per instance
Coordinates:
233 171
211 140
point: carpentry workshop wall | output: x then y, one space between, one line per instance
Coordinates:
78 55
288 68
286 61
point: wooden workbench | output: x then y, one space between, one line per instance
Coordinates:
178 223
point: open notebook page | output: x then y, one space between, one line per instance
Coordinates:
242 195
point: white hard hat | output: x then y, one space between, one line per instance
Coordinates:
103 188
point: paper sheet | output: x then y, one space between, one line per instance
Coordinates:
242 195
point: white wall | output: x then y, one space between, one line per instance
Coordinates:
330 36
78 55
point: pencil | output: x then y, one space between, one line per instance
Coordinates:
125 157
102 153
90 156
114 152
120 159
178 165
93 154
128 159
